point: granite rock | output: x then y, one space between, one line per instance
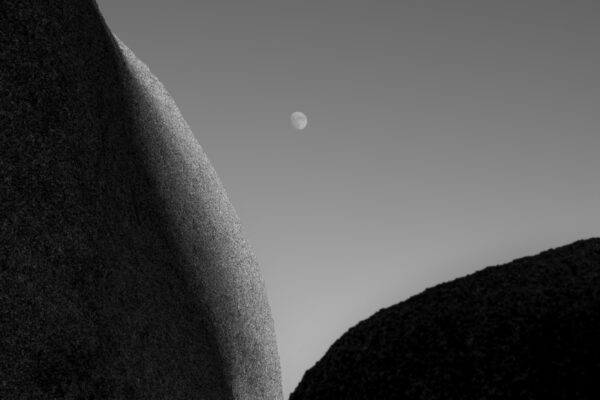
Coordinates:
525 330
124 272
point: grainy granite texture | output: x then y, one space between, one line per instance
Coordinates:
123 270
214 256
525 330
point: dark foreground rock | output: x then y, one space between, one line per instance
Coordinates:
525 330
124 273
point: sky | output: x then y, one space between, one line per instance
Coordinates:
443 137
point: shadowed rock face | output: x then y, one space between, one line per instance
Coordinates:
124 273
525 330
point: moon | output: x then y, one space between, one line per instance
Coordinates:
299 120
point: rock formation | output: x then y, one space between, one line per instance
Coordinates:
525 330
124 273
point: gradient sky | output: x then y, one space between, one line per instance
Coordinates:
443 137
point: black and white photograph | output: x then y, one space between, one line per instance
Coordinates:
317 200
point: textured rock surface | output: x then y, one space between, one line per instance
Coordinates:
123 270
525 330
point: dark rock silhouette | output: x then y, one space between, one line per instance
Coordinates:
525 330
124 273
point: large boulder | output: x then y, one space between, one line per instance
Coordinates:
124 273
525 330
